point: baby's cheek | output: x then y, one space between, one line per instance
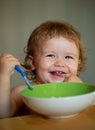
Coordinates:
46 63
73 69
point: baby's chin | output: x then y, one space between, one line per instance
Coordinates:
58 81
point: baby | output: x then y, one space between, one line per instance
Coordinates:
54 53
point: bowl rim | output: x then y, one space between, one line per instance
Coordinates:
73 96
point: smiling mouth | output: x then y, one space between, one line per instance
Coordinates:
58 73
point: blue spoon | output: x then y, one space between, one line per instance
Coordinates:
18 68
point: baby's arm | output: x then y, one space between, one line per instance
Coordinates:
7 63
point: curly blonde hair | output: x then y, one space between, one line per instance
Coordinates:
46 31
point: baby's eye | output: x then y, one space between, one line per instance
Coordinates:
50 55
69 57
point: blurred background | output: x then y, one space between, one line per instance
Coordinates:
18 18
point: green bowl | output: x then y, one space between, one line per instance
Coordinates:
59 100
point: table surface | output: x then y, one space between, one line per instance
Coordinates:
84 121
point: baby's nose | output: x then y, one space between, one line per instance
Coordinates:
60 62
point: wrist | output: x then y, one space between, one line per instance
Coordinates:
4 80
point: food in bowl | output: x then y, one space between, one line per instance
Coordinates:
59 100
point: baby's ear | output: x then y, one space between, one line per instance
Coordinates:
31 59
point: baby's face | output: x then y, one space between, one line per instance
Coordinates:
58 61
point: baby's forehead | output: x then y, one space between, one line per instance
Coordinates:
58 43
49 41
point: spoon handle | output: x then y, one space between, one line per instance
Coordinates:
17 68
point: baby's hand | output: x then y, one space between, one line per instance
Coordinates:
7 63
74 78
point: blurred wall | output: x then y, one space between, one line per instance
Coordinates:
18 18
